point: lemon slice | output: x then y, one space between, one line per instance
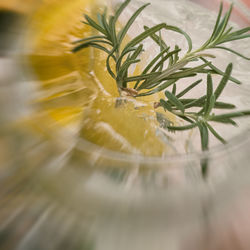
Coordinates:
75 90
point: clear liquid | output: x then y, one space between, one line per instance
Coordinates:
198 22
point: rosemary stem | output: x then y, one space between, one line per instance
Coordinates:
187 114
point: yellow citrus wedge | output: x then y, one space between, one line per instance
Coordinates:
76 89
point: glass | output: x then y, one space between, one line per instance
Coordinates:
59 191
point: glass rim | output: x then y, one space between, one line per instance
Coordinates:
216 151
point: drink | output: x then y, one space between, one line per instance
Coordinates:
109 196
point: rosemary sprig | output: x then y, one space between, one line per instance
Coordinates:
222 34
110 42
205 116
156 76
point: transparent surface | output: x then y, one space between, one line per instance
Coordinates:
59 191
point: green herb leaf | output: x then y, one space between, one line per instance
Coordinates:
212 130
223 81
210 98
130 22
174 89
144 35
181 128
230 115
159 88
121 9
92 23
232 51
218 71
178 30
174 100
204 136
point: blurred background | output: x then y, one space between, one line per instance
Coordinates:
58 193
